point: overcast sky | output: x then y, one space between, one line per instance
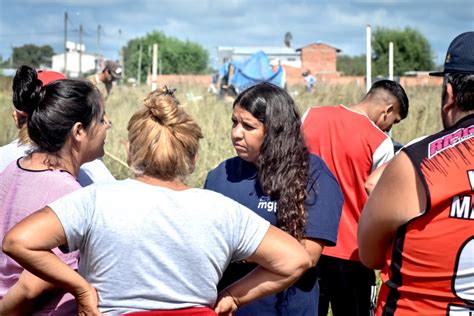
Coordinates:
213 23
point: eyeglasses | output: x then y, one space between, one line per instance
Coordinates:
105 120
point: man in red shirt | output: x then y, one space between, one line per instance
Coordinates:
418 224
352 142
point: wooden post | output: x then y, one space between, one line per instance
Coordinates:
154 84
368 72
139 72
390 61
80 51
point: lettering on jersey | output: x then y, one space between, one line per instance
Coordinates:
461 207
460 310
266 204
470 175
450 140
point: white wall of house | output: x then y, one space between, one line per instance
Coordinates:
88 61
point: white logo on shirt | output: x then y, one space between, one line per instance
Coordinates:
265 203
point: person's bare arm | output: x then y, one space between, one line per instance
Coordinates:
20 299
314 249
281 259
373 178
30 243
398 197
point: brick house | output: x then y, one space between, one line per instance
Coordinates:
319 58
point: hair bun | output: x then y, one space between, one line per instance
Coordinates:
26 89
164 106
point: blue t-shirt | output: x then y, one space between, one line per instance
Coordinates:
237 179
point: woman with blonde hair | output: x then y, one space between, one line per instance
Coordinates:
153 244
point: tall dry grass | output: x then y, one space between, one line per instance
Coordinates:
213 116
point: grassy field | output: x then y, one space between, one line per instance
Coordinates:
214 118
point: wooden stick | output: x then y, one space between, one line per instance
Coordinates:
120 161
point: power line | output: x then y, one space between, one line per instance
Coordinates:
75 30
31 34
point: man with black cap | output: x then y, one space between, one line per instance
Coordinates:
418 224
112 71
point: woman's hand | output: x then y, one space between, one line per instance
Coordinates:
225 304
87 302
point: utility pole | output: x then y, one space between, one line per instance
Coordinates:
80 51
151 63
98 48
11 57
154 82
65 44
368 59
122 56
139 76
390 60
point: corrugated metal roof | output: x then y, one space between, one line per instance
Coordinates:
269 50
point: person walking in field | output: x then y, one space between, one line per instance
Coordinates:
309 80
418 224
352 142
111 72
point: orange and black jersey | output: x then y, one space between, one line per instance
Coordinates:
430 267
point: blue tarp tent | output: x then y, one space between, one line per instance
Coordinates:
254 70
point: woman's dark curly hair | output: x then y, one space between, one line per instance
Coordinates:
283 161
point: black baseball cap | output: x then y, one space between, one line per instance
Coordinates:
460 56
114 68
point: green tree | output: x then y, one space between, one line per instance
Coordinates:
176 57
411 51
351 65
32 55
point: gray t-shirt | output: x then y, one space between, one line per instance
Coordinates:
145 247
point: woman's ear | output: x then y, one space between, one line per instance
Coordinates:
195 159
78 132
19 117
129 158
16 119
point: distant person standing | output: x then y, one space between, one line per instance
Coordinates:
309 80
112 71
212 87
418 222
352 142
